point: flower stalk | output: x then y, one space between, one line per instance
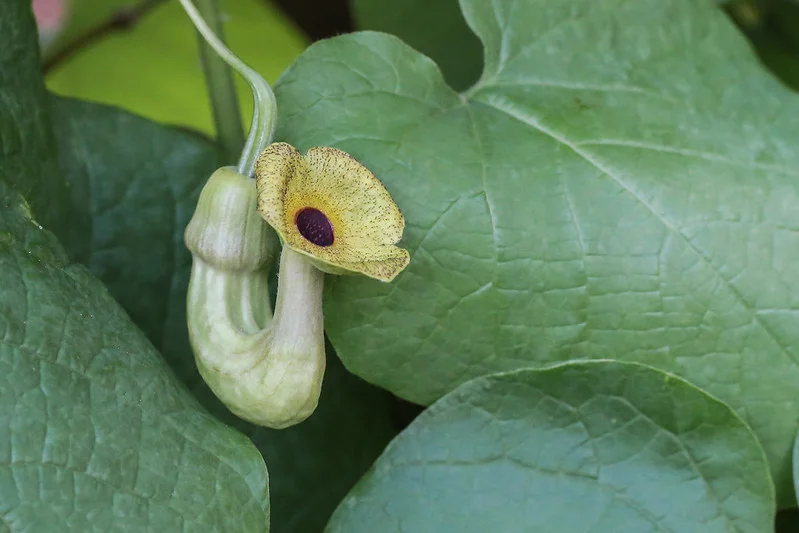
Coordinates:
219 80
264 116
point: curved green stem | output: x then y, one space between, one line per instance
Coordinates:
264 115
221 88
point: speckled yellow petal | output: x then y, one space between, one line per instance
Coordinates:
276 167
366 208
328 206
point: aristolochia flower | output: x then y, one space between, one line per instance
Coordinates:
329 207
332 215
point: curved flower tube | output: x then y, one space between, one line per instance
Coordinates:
332 215
267 370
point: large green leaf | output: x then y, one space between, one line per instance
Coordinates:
99 435
135 185
593 446
434 27
26 161
620 183
437 29
154 69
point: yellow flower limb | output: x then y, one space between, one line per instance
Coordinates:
356 223
267 370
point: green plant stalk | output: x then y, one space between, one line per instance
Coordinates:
221 88
264 114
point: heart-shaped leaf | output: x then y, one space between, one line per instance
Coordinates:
620 183
605 447
99 435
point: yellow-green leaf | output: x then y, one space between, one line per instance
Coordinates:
154 70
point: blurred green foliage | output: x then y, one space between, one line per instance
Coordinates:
440 33
152 68
772 26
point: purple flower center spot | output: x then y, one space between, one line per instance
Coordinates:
314 226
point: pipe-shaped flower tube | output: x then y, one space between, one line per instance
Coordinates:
265 370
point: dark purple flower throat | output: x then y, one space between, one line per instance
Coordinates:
314 226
